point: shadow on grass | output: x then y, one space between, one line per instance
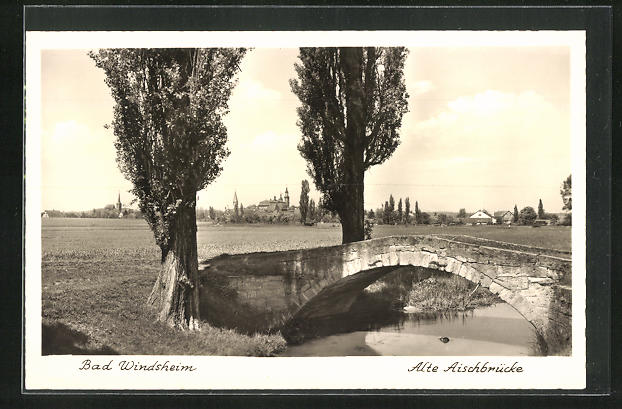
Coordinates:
58 339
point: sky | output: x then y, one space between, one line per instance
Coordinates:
487 128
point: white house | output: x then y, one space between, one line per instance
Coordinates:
481 217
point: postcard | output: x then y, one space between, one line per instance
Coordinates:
239 210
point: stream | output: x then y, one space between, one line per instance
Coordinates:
494 330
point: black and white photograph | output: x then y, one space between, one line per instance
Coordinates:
362 208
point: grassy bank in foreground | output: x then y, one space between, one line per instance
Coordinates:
99 306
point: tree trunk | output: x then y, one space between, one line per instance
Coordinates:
175 294
352 211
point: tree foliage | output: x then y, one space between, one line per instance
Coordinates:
170 137
407 210
353 100
527 215
304 200
418 219
462 213
515 219
391 210
312 210
170 143
566 193
424 218
541 212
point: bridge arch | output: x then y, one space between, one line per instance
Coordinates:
275 287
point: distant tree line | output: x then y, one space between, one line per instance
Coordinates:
391 214
108 212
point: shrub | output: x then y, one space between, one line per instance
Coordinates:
527 216
369 227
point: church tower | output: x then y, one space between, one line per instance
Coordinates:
286 198
119 206
235 199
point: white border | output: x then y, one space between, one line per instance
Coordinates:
61 372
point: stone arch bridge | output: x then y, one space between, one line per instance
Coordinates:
260 291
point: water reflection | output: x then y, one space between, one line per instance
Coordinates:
493 330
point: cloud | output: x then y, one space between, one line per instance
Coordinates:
489 147
493 123
421 87
249 89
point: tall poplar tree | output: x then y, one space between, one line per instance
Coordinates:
407 211
312 214
391 209
515 219
304 200
417 213
170 142
566 193
541 212
353 100
400 214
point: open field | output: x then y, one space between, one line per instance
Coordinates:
97 274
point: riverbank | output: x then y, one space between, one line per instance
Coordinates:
438 294
421 290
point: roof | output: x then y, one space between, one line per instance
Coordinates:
480 214
269 202
501 213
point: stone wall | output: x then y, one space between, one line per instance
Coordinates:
275 287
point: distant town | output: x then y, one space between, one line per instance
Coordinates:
280 210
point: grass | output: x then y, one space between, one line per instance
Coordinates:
424 290
448 292
551 237
97 274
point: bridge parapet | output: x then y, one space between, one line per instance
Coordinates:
271 288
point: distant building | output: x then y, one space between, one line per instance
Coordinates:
118 207
481 217
541 222
272 205
275 209
505 216
229 214
45 215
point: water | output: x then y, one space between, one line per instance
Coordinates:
493 330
